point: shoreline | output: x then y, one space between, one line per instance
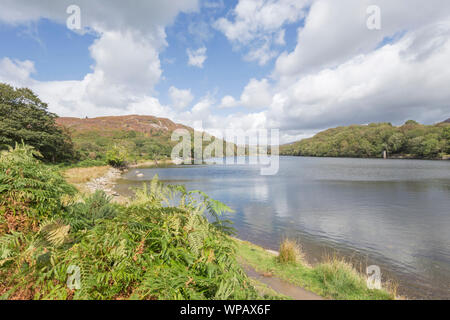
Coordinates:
276 279
444 158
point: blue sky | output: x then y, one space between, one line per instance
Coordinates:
296 65
60 54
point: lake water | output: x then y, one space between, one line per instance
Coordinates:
390 213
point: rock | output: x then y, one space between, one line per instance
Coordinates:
105 183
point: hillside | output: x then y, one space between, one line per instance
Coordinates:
143 137
144 124
412 140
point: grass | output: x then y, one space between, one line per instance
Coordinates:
143 164
80 176
290 252
332 279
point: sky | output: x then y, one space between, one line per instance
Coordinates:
300 66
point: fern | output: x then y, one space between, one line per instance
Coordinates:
161 246
56 232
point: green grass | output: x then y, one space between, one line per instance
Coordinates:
333 280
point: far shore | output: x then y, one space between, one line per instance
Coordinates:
397 157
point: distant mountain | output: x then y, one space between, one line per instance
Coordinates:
446 121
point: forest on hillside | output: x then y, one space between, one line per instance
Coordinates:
412 140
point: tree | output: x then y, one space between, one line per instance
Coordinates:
117 157
430 147
446 139
411 123
412 139
25 119
396 142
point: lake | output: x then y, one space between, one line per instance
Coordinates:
390 213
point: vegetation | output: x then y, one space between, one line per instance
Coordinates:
116 145
146 250
333 279
412 140
290 252
25 118
29 189
116 157
78 177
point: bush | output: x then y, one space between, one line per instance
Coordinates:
116 157
290 252
28 188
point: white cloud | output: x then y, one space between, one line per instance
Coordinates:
126 54
228 102
257 94
341 73
259 24
262 54
16 72
79 98
197 57
336 31
104 15
394 83
180 98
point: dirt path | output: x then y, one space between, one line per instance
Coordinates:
281 286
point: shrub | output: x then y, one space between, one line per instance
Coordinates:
28 188
116 157
290 252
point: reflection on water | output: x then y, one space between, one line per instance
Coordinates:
392 213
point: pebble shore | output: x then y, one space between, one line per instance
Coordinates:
105 183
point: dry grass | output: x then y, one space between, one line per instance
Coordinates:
142 164
80 176
290 252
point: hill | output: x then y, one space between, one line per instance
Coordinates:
144 124
412 140
143 137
